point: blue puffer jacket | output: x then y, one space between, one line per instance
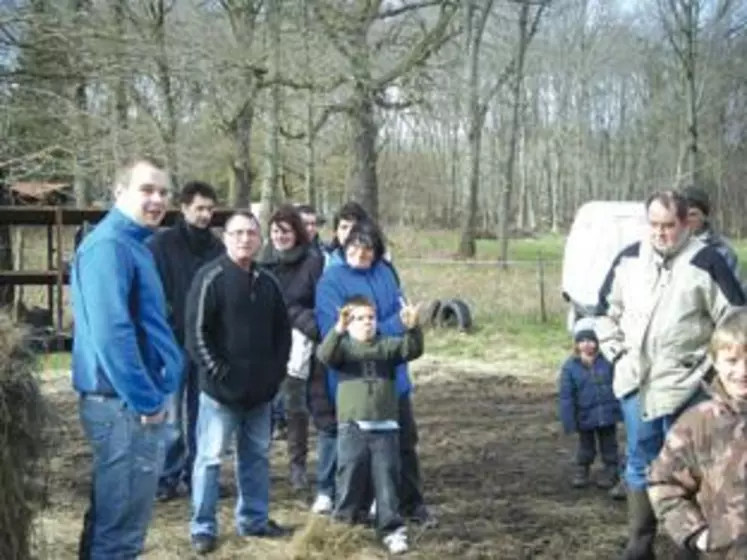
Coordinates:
379 284
586 399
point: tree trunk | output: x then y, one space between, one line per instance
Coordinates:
516 117
467 246
363 182
240 195
269 192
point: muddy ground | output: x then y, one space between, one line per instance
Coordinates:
496 469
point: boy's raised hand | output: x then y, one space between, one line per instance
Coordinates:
409 313
343 320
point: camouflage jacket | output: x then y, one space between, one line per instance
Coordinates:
699 480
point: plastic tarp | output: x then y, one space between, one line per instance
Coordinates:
600 230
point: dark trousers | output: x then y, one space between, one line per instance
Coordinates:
363 458
410 489
604 439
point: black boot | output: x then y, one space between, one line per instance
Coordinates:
298 448
641 526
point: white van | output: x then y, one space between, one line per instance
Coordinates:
600 230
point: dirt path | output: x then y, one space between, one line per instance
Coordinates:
495 464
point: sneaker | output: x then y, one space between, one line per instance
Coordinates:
396 541
322 505
203 544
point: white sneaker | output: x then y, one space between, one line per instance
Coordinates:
396 541
372 511
322 505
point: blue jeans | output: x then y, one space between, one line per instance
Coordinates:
181 419
127 460
326 463
645 438
216 425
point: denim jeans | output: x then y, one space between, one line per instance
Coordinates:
216 426
127 460
645 438
326 462
181 419
368 458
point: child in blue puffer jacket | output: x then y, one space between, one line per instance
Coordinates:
588 406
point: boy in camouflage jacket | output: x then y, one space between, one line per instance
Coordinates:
698 484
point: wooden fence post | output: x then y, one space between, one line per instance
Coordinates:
541 286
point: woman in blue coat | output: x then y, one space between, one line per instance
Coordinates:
365 272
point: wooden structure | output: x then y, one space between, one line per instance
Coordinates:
56 276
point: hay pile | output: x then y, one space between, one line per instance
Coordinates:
321 539
22 420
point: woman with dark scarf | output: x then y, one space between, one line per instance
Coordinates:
298 267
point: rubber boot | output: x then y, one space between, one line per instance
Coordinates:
580 476
641 527
298 448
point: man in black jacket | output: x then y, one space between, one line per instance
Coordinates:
239 334
179 252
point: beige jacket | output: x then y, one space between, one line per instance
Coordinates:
657 317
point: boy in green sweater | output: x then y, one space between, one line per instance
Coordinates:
367 413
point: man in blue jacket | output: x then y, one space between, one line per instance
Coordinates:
125 364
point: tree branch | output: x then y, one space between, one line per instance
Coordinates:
409 7
430 43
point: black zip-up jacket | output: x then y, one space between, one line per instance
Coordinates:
179 252
238 333
298 276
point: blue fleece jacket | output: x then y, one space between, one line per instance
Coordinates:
378 283
123 345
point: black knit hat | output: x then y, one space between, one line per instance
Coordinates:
585 334
697 198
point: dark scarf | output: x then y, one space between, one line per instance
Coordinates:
200 240
270 256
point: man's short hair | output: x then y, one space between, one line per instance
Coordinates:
242 214
671 200
197 188
123 176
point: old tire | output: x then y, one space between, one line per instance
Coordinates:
455 313
428 315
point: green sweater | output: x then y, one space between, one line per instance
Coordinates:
365 385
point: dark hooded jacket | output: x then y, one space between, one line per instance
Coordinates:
297 270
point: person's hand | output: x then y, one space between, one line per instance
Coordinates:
156 418
409 314
701 543
343 320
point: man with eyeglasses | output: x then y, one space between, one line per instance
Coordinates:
239 335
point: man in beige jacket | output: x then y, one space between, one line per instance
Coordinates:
658 306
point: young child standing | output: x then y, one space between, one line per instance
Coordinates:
367 413
698 483
588 406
